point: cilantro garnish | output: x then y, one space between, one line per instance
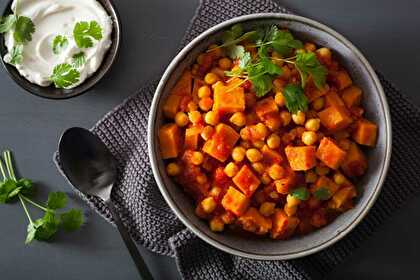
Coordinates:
7 23
301 193
45 228
64 76
84 32
59 44
281 41
24 28
16 55
295 98
79 59
308 64
322 193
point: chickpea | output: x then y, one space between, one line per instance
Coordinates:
313 124
253 155
310 177
267 209
216 224
238 119
197 158
231 169
309 47
192 106
245 144
258 144
225 63
322 170
211 78
258 167
285 117
273 141
173 169
211 118
261 131
279 99
181 119
205 103
309 138
265 179
318 104
215 191
208 204
245 133
194 116
238 154
324 53
204 91
276 172
339 179
299 118
201 179
207 132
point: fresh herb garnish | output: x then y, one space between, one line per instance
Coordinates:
322 193
295 98
301 193
7 23
279 40
84 32
45 228
79 59
59 44
24 28
64 76
308 64
16 55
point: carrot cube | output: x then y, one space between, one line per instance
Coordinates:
235 202
301 158
325 182
171 106
184 85
332 99
335 118
283 226
365 133
254 222
342 79
352 96
169 139
246 181
341 197
330 153
228 100
222 142
265 107
271 156
191 138
355 163
284 185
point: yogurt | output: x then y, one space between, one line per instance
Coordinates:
53 18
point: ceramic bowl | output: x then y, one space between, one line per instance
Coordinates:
51 92
369 185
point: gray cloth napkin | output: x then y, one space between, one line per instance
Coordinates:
151 222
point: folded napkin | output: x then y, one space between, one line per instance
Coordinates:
151 222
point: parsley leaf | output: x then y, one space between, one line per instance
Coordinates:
57 200
308 64
24 28
84 31
72 220
79 59
64 76
295 98
301 193
46 227
7 189
7 23
59 44
15 57
322 193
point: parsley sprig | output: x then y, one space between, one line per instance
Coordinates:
42 229
64 76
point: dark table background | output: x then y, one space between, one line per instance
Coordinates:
386 31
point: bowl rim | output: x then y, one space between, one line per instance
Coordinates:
94 79
154 159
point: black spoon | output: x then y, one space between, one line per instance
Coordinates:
91 168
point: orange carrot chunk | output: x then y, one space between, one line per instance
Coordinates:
246 181
169 138
301 158
330 153
235 202
365 133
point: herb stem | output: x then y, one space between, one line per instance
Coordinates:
34 203
26 209
8 159
2 170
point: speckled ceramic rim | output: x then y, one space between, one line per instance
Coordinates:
174 205
51 92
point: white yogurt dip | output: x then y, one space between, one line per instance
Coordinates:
53 18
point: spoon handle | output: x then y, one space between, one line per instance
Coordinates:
129 243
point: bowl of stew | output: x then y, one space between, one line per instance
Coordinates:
270 136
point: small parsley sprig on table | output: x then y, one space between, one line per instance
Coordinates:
42 229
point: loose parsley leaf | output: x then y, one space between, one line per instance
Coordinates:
64 76
295 98
79 59
7 23
72 220
322 193
59 44
7 190
308 64
84 32
16 56
57 200
301 193
46 227
24 28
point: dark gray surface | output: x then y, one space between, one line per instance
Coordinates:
385 32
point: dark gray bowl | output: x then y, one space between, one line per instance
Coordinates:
54 93
369 186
